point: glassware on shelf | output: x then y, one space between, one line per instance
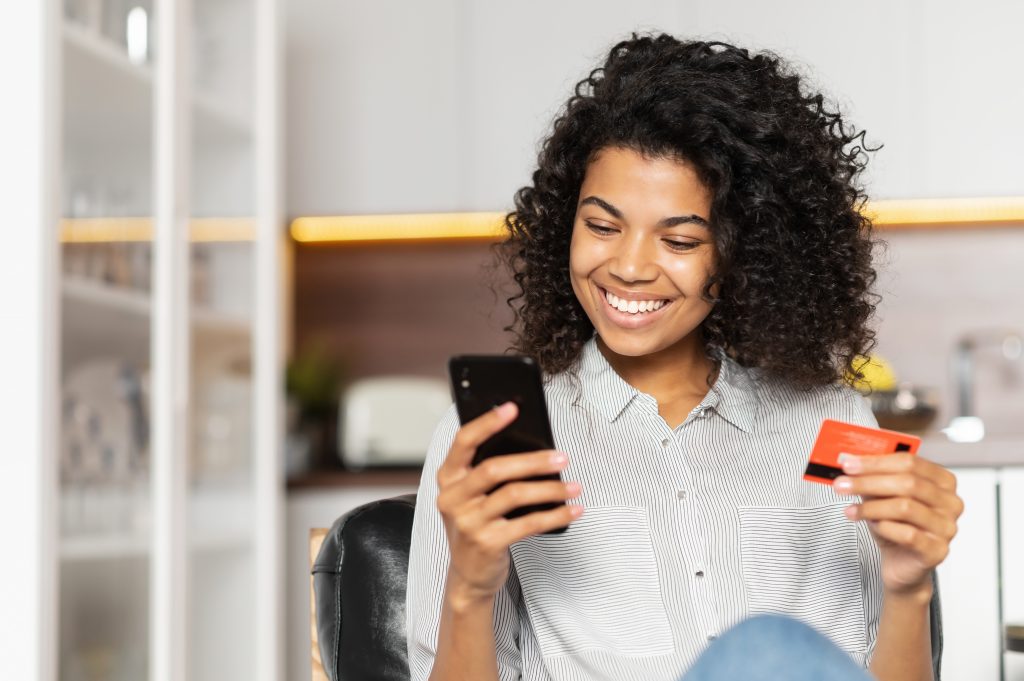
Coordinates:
104 447
223 420
137 34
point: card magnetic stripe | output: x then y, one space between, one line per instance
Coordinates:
818 470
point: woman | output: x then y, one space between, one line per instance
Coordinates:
694 277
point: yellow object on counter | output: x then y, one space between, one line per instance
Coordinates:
878 374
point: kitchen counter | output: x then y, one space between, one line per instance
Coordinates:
993 452
372 477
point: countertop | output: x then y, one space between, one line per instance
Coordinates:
371 477
994 452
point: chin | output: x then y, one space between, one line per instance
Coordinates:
632 346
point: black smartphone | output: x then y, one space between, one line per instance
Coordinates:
482 382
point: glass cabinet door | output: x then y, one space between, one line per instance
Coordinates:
106 319
166 532
221 489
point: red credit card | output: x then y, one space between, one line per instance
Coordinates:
836 437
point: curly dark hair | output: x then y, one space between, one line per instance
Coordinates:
794 250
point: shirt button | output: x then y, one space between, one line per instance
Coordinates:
699 573
666 442
712 637
681 494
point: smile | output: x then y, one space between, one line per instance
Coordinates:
635 307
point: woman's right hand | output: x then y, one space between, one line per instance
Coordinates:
478 532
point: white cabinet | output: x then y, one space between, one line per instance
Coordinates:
1011 533
982 579
968 583
159 500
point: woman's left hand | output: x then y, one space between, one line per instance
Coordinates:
911 507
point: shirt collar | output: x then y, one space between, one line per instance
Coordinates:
733 395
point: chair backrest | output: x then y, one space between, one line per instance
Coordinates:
359 578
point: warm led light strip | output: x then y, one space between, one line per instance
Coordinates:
924 213
101 230
886 214
396 227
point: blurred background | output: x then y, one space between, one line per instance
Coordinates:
265 225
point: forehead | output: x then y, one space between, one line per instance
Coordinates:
632 180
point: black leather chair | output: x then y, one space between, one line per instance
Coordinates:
359 585
359 581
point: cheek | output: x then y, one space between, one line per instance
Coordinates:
689 276
582 256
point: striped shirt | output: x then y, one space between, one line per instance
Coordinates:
686 531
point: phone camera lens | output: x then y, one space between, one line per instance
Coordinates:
465 383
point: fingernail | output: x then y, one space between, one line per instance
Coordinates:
559 458
851 512
506 409
573 488
850 463
576 510
843 484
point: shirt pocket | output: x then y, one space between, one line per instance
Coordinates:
804 562
596 586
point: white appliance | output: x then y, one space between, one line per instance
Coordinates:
389 420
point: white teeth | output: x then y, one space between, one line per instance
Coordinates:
633 306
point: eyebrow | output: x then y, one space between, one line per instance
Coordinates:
664 222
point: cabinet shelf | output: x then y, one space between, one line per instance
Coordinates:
88 547
109 98
107 320
220 520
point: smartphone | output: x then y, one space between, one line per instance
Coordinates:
482 382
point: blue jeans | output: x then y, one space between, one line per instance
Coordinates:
774 648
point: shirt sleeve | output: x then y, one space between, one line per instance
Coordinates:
857 410
428 567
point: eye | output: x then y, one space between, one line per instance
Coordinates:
600 230
681 245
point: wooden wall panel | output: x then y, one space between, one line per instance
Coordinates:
399 308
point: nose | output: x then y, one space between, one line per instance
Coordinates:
633 261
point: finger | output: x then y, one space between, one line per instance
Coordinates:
516 494
496 471
931 549
898 463
501 469
909 511
473 434
899 485
508 532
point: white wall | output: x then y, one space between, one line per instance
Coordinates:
403 106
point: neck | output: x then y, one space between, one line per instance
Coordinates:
677 372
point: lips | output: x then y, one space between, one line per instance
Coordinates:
613 304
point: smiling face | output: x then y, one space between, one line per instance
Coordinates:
642 252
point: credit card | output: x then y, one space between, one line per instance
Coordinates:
836 437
